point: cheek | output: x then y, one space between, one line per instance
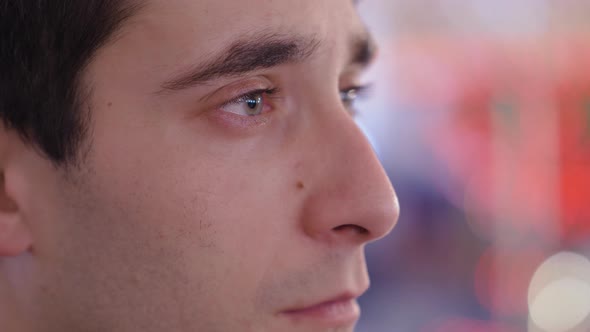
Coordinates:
163 219
126 250
193 217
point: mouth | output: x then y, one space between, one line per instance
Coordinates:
340 311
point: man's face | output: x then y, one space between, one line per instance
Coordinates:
226 187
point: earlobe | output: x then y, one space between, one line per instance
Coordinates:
15 237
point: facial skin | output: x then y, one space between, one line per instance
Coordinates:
186 213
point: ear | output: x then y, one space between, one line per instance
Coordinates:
15 237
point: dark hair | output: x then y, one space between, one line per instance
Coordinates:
44 47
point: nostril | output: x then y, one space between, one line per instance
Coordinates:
350 227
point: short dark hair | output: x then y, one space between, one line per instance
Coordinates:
45 46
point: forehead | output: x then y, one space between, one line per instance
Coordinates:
190 23
211 16
165 37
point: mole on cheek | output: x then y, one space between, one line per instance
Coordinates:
300 185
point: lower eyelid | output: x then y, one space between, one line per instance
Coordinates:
241 123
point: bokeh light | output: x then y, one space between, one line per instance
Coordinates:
559 294
502 279
482 117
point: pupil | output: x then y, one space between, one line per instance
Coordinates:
252 103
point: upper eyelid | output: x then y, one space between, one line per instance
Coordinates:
238 87
354 69
360 89
243 97
269 94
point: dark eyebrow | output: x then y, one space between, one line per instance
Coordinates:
364 50
246 55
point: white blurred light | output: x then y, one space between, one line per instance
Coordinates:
559 293
561 305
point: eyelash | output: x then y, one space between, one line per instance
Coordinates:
351 94
348 97
250 95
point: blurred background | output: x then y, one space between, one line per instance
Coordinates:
481 116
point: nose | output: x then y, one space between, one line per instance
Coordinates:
352 200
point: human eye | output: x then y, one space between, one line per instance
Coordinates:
250 104
350 95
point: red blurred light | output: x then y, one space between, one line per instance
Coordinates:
482 82
502 279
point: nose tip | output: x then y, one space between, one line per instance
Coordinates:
394 210
357 217
383 220
354 202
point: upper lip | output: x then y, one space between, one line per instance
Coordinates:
342 297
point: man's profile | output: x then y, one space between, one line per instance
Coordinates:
184 165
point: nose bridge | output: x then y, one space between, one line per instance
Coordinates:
353 199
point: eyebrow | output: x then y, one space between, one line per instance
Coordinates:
263 51
246 55
363 49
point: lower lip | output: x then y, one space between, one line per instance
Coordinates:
329 314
